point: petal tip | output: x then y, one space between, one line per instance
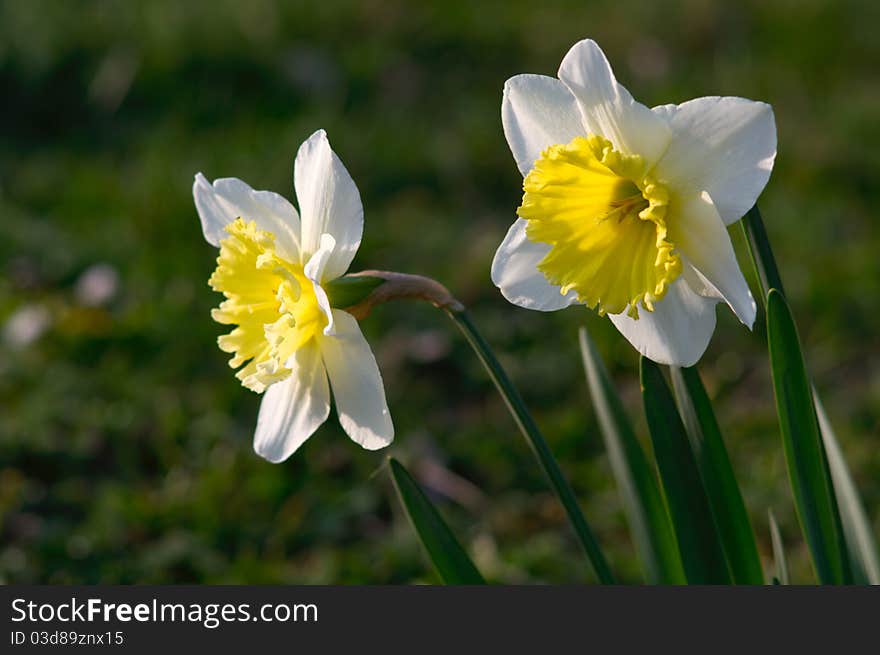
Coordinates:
271 455
200 185
318 135
750 316
379 443
367 438
589 45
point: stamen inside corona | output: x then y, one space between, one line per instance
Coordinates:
270 301
605 218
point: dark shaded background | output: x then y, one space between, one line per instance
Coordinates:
125 441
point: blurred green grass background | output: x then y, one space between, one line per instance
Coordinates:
125 441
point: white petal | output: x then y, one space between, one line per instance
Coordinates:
314 270
293 409
515 272
329 203
230 198
538 111
357 384
699 234
698 282
607 107
677 332
725 146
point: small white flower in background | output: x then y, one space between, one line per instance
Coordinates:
272 265
625 208
26 325
97 285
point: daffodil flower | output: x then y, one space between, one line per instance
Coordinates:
272 268
625 208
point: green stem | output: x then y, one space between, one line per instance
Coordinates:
536 441
762 256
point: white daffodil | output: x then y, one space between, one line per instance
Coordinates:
272 266
625 208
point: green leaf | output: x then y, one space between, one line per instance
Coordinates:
779 559
350 290
446 554
808 469
699 544
857 531
725 498
849 522
642 501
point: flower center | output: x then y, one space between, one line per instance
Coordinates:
269 300
605 218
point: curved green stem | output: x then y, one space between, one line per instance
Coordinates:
536 441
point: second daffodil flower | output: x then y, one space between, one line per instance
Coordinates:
625 208
272 268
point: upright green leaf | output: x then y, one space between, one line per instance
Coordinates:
779 559
716 471
804 454
699 544
861 550
857 531
648 520
446 554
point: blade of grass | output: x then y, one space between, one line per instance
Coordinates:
725 498
804 453
642 501
857 530
448 557
779 559
699 544
536 442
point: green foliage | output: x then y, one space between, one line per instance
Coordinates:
860 542
546 461
648 520
699 541
448 557
781 563
807 466
761 252
861 554
716 472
